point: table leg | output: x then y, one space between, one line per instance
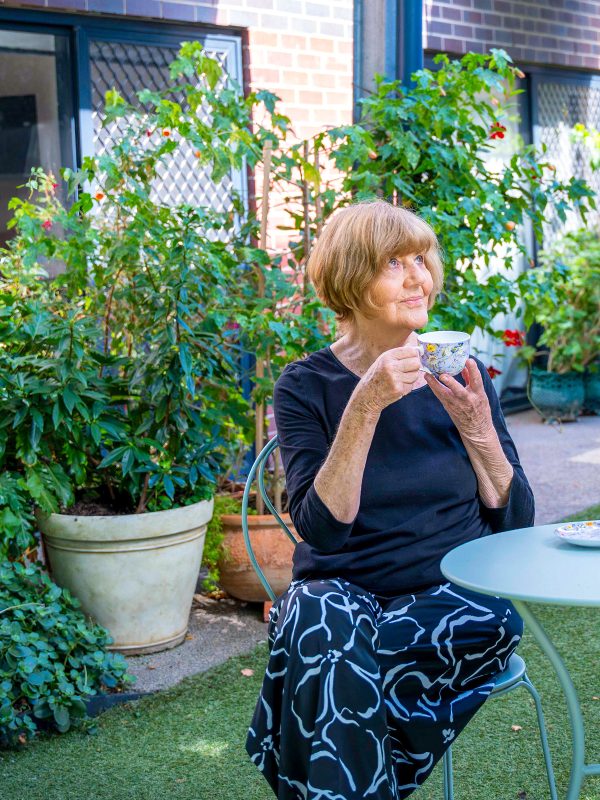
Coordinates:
578 767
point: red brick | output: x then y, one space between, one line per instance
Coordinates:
344 46
591 62
295 78
307 61
280 58
277 22
313 98
335 64
454 45
451 13
143 8
440 27
326 80
492 19
464 31
322 45
108 6
476 47
73 5
550 43
179 11
243 18
318 10
337 98
434 42
258 37
294 42
265 77
211 16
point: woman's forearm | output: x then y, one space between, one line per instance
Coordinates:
339 480
493 470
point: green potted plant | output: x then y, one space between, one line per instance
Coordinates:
433 148
133 399
54 659
563 296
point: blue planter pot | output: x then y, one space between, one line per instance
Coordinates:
592 391
557 397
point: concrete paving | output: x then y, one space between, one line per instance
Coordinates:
562 464
217 631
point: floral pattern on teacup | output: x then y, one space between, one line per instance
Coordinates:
449 358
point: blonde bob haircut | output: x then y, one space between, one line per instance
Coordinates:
354 247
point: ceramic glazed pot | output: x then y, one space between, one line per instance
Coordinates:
557 396
135 574
273 551
592 391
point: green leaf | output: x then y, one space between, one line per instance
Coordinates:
69 399
169 487
185 358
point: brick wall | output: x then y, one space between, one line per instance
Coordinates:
562 33
300 49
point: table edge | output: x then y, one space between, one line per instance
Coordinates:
520 597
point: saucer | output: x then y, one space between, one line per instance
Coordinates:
584 534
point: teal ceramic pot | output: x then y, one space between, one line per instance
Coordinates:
592 391
557 397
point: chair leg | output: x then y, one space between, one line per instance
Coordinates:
448 779
266 608
543 736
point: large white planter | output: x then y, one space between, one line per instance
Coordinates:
135 574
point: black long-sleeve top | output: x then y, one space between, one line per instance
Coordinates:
419 496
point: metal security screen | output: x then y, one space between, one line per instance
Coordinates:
560 105
129 67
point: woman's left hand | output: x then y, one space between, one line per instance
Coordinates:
468 405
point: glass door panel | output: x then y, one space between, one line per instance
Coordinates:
36 111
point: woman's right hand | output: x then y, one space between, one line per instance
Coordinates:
390 377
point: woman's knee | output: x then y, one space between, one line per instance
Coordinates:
318 613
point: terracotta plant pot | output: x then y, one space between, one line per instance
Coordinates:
273 551
135 574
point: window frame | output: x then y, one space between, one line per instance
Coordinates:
80 29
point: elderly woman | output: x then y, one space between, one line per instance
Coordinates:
376 661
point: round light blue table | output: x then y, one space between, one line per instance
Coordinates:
532 565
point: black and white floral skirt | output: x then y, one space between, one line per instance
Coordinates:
363 694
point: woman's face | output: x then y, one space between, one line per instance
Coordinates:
402 292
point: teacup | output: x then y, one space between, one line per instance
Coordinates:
444 351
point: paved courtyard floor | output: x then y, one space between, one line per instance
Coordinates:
562 464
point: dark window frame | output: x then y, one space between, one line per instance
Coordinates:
80 28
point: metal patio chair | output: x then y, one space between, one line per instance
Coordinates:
512 677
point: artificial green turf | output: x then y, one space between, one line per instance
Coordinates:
593 512
188 743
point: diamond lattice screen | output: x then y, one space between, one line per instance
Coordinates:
128 68
560 107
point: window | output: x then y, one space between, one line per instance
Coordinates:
558 103
36 110
54 72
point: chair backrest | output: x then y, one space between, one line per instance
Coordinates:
259 466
